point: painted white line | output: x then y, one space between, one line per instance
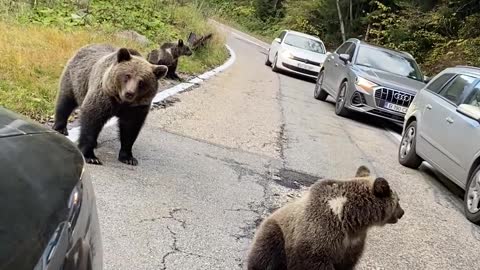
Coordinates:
250 41
74 133
394 134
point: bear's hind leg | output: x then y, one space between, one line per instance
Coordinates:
268 250
66 103
130 123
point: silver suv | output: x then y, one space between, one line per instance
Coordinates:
442 127
369 79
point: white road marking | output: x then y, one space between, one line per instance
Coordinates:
74 133
394 134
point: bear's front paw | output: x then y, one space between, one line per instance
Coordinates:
63 131
129 160
93 160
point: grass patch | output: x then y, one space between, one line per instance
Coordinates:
36 44
33 58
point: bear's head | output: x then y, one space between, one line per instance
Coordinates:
183 49
369 201
131 79
388 200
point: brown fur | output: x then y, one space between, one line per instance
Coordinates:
105 82
168 55
327 227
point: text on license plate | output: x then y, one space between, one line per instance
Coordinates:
300 65
395 107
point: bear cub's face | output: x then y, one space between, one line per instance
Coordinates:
183 49
134 77
383 193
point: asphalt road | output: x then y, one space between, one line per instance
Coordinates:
224 155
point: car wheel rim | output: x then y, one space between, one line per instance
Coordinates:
407 142
473 198
318 85
341 98
275 61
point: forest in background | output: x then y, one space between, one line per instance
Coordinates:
438 33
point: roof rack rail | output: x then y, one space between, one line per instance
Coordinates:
463 66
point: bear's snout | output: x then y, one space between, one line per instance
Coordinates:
129 95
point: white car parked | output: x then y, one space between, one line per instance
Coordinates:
297 53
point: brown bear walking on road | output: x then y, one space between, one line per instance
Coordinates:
105 82
326 228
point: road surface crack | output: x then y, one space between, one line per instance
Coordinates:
177 250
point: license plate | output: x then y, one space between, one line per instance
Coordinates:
395 107
307 67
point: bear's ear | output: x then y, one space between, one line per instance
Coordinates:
381 188
123 55
160 71
180 43
362 171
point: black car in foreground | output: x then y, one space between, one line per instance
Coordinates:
48 216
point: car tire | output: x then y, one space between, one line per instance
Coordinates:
407 153
340 101
319 93
472 197
274 66
267 61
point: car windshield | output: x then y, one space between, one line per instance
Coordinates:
389 62
305 43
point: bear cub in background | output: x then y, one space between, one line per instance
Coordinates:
327 227
168 55
106 82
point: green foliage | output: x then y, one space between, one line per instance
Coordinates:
435 32
47 32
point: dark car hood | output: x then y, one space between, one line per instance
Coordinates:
390 80
37 175
12 124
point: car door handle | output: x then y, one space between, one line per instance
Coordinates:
429 107
449 120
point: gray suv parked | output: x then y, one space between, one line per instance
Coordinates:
369 79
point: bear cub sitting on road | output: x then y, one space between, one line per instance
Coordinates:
327 227
105 82
168 55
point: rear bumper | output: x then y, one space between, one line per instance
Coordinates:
291 65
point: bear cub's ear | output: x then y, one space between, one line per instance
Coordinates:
160 71
362 171
381 188
123 55
180 43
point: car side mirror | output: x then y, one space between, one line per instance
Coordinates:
470 111
426 79
278 40
344 57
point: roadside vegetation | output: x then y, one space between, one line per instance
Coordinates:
38 37
438 33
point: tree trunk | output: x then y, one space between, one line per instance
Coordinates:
367 33
351 14
342 26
